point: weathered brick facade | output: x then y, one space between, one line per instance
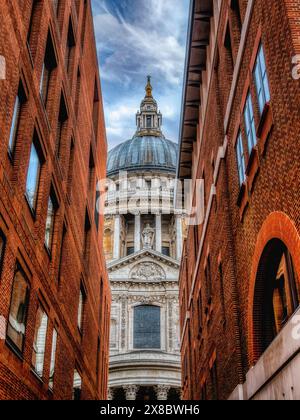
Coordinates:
220 268
69 129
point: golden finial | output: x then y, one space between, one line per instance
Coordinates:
149 87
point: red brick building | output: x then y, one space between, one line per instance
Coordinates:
55 296
240 132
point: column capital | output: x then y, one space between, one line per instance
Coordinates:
131 392
162 392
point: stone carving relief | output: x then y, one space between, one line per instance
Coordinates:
148 300
147 272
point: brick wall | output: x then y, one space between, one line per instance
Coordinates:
237 215
56 276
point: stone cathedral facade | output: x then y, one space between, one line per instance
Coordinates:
143 245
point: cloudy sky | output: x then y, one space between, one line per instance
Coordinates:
136 38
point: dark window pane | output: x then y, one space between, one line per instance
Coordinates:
130 250
147 327
166 251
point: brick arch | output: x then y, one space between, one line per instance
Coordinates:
281 227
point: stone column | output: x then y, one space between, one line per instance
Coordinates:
110 394
178 237
117 233
137 233
131 392
158 234
162 392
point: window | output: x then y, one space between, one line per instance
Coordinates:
147 327
70 47
241 159
53 358
250 123
261 80
81 305
39 343
20 99
285 297
130 250
166 251
276 294
18 310
52 209
2 248
61 123
49 65
77 384
33 176
149 122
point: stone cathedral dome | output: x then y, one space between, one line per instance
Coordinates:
148 149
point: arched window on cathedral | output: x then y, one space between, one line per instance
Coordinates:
276 294
147 327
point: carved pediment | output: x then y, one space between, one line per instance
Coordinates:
147 272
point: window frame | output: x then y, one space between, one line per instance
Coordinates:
249 120
35 146
158 345
35 352
240 156
53 358
81 309
55 206
261 79
9 340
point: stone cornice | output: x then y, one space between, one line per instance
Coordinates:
115 265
